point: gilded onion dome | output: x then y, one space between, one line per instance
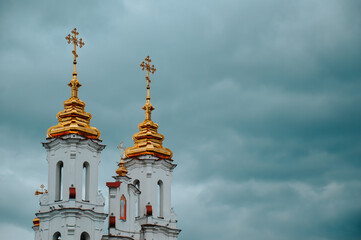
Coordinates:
74 119
148 140
122 170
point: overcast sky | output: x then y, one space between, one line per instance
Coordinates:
258 100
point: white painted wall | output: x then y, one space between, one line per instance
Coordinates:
129 227
149 170
72 217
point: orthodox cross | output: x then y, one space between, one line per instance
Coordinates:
122 148
74 83
148 106
74 39
149 69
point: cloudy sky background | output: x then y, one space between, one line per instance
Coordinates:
259 101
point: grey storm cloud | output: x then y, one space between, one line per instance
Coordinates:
258 101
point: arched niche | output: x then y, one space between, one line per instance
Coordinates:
57 236
160 198
59 178
123 208
86 181
84 236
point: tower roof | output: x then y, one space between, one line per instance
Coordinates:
74 119
148 140
122 170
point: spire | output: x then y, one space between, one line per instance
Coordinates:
122 170
74 119
148 140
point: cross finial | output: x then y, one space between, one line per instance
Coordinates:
122 148
150 69
42 190
77 42
73 39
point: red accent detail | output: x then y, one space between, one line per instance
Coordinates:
112 222
36 222
113 184
76 132
149 210
124 208
72 193
162 156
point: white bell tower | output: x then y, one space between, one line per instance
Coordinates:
72 208
140 197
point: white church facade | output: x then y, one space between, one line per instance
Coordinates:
139 200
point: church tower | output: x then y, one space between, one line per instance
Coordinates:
140 197
72 208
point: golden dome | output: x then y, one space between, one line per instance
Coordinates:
74 119
148 140
122 170
36 222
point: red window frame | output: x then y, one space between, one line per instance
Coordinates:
124 208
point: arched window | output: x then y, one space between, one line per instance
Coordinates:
84 236
123 208
57 236
160 198
137 200
137 183
59 181
86 179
